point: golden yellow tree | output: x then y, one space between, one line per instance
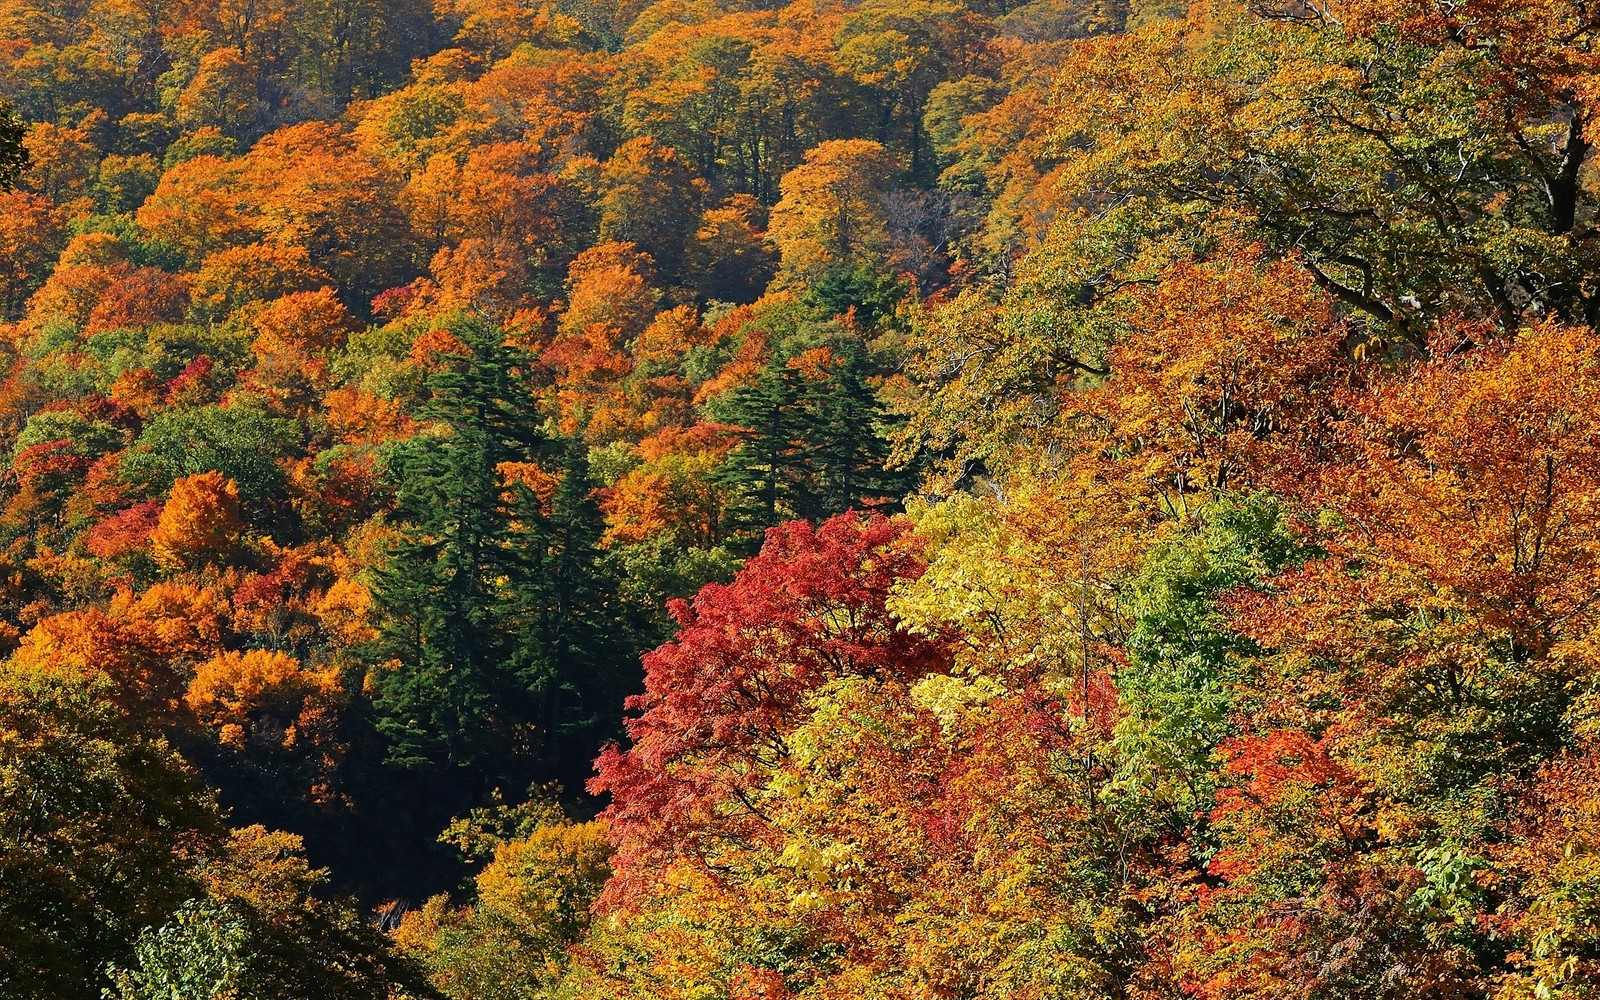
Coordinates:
200 519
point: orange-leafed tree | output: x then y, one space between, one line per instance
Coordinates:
293 337
32 234
610 302
311 187
142 644
257 272
834 209
729 257
62 162
201 519
199 208
302 323
265 697
650 198
222 95
1217 382
138 297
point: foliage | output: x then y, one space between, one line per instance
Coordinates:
199 954
1105 493
492 599
96 816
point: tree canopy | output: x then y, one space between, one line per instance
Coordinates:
815 500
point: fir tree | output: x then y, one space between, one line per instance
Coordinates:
771 465
847 422
811 446
494 641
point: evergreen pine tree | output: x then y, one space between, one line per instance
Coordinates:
811 447
770 467
850 455
494 639
574 646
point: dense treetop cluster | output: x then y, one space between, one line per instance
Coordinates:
1107 496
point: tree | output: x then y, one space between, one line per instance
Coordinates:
198 208
533 903
610 303
199 954
138 297
721 699
729 257
650 198
259 272
493 619
124 182
32 236
264 697
241 441
848 432
300 942
313 188
1215 382
13 154
97 823
834 209
900 51
222 95
675 494
61 162
772 465
813 440
1363 143
200 520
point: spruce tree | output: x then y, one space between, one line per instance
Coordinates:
771 466
847 423
574 644
494 637
810 447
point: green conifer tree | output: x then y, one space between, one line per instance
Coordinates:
495 643
811 447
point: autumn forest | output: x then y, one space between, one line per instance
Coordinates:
814 500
